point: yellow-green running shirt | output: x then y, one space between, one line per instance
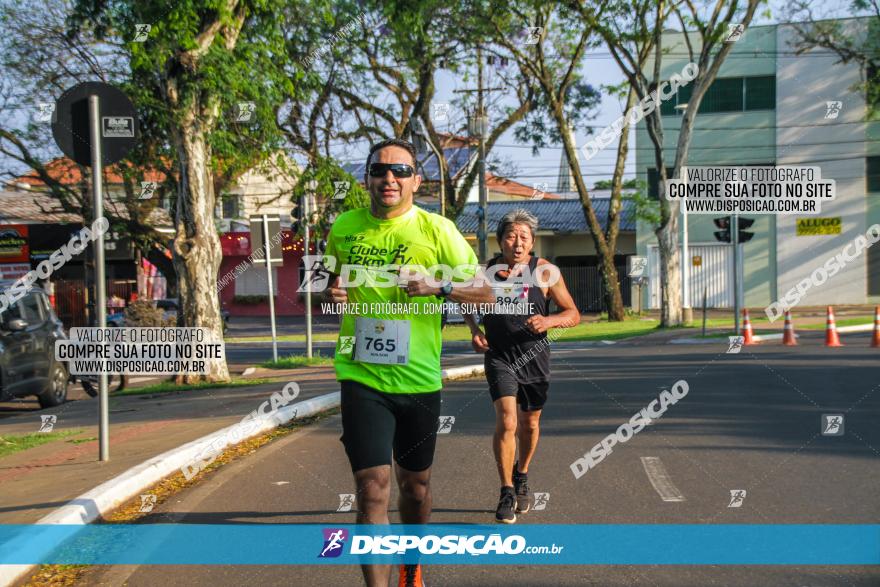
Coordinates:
416 238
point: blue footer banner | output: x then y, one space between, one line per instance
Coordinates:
309 544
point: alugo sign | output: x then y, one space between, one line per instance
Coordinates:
118 123
818 226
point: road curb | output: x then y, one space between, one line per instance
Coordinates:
763 337
856 328
109 495
453 373
719 340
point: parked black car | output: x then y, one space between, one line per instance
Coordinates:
28 331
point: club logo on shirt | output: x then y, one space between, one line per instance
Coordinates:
368 255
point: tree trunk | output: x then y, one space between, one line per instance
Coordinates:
605 251
613 297
197 252
670 274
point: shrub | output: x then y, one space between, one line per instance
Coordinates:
143 313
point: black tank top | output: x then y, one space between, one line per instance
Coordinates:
509 339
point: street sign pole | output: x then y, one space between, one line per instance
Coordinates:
96 124
307 212
100 291
687 311
271 288
734 238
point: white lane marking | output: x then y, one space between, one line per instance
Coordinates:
661 480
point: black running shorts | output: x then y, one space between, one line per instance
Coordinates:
375 423
531 395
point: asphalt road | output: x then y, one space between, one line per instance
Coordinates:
750 421
238 355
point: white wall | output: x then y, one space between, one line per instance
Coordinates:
805 137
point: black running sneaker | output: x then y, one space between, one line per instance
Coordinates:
521 487
505 513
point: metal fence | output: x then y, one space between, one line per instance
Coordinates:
70 300
585 286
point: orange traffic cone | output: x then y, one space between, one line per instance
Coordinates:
748 335
875 342
831 337
788 331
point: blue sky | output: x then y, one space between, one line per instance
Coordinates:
599 69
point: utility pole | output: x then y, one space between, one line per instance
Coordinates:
478 126
100 280
484 197
734 237
307 215
422 142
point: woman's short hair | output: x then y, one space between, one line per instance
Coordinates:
518 216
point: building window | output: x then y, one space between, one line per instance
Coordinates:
873 271
654 182
231 206
165 201
872 180
253 282
872 79
872 175
728 94
760 92
724 95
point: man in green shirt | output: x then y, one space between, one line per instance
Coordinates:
388 353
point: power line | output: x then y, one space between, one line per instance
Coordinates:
695 148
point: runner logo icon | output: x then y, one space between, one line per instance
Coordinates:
334 540
346 500
141 32
735 31
737 496
316 276
148 502
736 344
341 189
833 108
346 345
541 501
446 423
832 424
47 422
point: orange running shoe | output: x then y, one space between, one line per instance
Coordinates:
410 576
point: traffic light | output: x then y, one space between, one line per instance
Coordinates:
741 224
723 223
296 218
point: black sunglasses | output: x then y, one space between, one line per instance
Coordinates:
398 169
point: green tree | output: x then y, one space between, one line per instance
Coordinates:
634 33
40 59
564 103
204 66
327 175
854 41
